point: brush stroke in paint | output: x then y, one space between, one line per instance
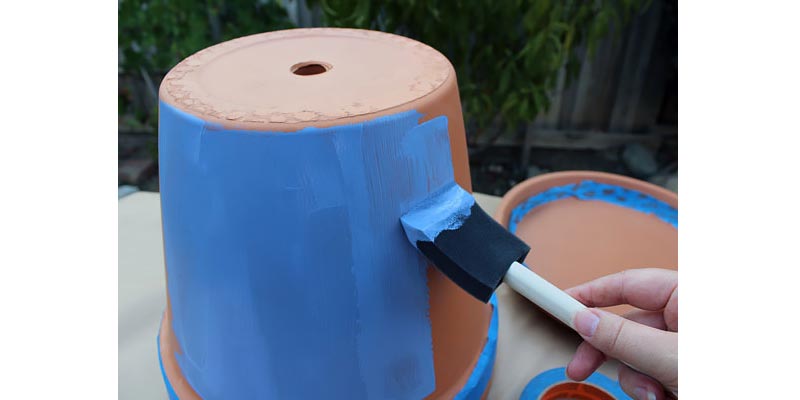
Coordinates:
288 272
591 190
447 209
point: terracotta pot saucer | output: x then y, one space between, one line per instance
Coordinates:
576 240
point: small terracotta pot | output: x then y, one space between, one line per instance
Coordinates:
573 241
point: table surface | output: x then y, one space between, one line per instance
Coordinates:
529 342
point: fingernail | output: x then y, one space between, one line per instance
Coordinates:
644 394
586 323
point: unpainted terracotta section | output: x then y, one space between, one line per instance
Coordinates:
170 347
459 322
249 82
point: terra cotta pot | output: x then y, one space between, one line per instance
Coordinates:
286 159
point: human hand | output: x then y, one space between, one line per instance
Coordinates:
645 339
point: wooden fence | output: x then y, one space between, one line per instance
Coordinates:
627 92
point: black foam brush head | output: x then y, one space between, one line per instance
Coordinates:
477 254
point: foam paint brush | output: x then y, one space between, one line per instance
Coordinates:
477 253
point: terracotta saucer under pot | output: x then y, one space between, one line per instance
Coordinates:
582 225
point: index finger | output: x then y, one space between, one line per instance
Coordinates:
646 288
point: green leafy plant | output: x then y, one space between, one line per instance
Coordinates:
507 54
157 34
154 35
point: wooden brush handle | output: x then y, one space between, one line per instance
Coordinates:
550 298
543 293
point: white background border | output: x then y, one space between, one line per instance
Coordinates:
739 203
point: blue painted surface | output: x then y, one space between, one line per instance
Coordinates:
474 388
591 190
288 271
479 379
447 209
540 383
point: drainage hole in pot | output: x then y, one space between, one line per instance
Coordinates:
310 68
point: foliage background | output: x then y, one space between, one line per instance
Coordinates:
512 58
507 54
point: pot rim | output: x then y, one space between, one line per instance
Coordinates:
532 186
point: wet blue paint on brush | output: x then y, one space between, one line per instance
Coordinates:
446 209
591 190
286 263
462 241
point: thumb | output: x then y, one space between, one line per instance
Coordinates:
649 350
